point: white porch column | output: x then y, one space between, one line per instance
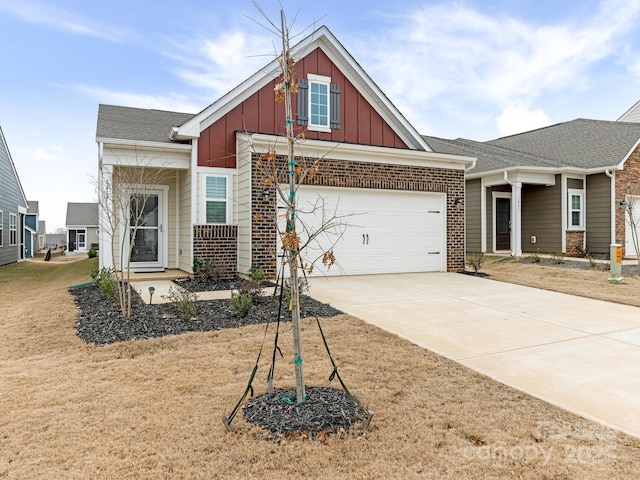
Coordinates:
105 182
516 219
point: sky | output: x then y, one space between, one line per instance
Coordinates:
478 69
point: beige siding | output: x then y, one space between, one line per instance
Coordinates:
185 245
242 212
472 215
542 217
598 213
92 236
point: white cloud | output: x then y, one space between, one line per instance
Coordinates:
176 103
450 50
38 154
221 63
61 19
518 118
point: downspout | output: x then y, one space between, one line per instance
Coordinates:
612 176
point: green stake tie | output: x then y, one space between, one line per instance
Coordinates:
298 361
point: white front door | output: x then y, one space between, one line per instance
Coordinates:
381 231
81 240
146 230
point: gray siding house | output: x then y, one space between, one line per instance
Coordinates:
31 221
562 188
13 208
82 226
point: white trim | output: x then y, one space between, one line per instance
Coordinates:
356 153
121 142
319 80
483 216
495 195
571 192
228 200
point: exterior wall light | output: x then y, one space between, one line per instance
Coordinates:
265 195
458 202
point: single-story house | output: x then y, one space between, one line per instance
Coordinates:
55 240
561 188
210 198
82 226
31 222
13 208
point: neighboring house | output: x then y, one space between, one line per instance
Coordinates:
31 221
13 208
42 234
561 188
55 240
212 202
82 226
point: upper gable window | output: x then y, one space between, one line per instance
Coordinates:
318 103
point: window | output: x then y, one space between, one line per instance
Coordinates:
215 199
13 229
318 103
1 229
576 209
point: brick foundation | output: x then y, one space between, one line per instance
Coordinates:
575 243
218 243
341 173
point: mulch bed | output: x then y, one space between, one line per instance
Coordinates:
325 410
100 321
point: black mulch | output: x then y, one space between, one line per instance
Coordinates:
326 410
204 284
100 321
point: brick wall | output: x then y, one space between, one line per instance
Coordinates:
218 243
341 173
627 183
575 243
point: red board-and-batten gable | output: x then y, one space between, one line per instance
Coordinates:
360 121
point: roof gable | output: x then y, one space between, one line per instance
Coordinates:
324 40
82 214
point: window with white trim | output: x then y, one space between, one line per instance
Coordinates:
13 229
216 199
318 103
1 229
575 209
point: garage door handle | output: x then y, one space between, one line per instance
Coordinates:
433 253
367 239
363 239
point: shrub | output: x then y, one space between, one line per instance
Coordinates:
106 281
242 302
92 253
592 261
207 269
475 260
558 258
536 256
254 283
184 301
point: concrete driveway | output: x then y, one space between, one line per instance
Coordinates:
580 354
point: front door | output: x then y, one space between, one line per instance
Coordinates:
503 223
145 231
81 237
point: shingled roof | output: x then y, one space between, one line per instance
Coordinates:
138 124
82 214
581 144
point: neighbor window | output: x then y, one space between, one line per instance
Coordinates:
576 209
1 229
215 199
13 229
318 103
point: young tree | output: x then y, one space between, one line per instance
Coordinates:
124 191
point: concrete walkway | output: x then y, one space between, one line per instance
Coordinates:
580 354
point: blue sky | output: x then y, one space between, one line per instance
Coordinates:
477 69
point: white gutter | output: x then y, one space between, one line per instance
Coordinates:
612 176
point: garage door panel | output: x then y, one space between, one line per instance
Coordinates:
381 232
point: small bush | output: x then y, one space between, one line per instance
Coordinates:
106 281
242 302
185 302
536 256
254 283
207 269
557 258
592 261
475 260
92 253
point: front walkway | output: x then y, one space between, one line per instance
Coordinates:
580 354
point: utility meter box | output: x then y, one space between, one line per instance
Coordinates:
615 263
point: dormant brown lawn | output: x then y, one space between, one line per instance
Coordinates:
151 409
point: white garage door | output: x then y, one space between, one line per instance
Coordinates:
379 231
634 201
